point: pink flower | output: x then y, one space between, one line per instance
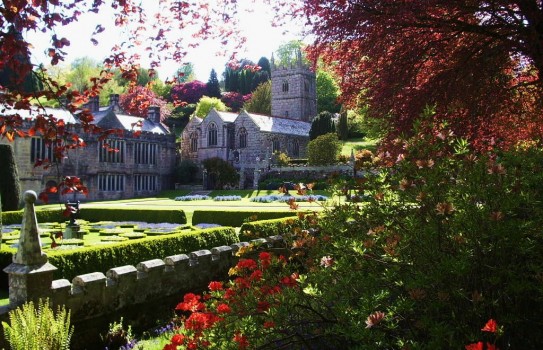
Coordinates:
327 261
374 319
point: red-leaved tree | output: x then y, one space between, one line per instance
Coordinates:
139 98
477 62
190 92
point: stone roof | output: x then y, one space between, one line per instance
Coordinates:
108 118
58 113
228 117
279 125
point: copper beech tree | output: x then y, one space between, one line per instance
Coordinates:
477 62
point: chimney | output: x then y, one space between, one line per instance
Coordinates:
153 114
114 100
93 105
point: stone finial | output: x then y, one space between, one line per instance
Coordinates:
29 251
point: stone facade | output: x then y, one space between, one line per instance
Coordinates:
143 164
248 140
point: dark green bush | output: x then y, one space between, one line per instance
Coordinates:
103 258
266 228
235 218
16 217
10 191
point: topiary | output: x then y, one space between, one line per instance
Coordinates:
10 189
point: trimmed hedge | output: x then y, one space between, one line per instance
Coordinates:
267 228
175 216
46 215
71 263
235 218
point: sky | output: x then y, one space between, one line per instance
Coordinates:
262 40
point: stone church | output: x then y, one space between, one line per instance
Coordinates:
141 164
248 140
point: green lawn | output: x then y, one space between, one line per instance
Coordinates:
357 145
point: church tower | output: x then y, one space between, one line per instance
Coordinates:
294 90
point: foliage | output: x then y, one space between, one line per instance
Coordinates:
234 100
282 158
38 327
204 106
243 76
122 214
138 99
321 125
190 92
186 171
287 53
343 126
267 228
220 173
327 93
10 189
476 63
323 150
235 218
213 88
260 101
117 337
185 73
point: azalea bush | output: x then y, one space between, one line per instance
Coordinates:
447 240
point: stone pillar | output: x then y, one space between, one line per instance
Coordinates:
30 275
256 178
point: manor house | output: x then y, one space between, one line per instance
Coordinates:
136 160
248 140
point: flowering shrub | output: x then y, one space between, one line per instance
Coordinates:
193 197
227 198
445 237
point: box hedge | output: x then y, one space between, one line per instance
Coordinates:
266 228
235 218
71 263
176 216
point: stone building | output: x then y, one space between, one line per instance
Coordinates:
136 160
248 140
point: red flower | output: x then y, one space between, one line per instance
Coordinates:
265 259
223 308
269 324
191 302
475 346
490 326
491 347
242 341
262 306
198 321
178 339
247 264
256 275
215 286
170 347
242 283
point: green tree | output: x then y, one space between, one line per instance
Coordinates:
322 124
260 101
343 126
185 73
205 105
327 92
9 180
213 87
81 71
286 53
323 150
220 173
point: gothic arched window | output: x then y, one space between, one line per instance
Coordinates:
295 148
285 86
242 138
194 142
212 135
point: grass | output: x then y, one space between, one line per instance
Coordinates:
358 144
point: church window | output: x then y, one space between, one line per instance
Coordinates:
285 86
275 145
112 151
145 153
242 138
111 182
212 135
145 182
194 142
39 150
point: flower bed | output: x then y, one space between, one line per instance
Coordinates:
194 197
227 198
285 198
